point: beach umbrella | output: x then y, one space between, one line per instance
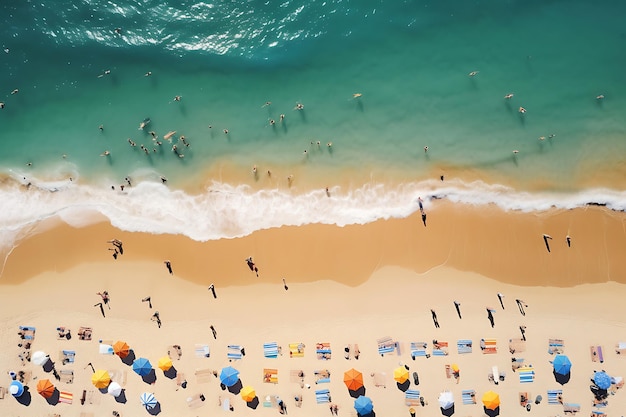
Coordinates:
562 365
363 405
491 400
353 379
401 374
165 363
45 388
142 366
114 389
39 358
455 367
121 349
148 400
229 376
248 394
100 378
602 380
16 388
446 400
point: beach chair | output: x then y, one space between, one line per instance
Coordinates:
296 350
323 351
555 396
418 349
85 333
67 356
235 352
596 354
489 346
517 346
412 397
322 376
66 397
63 333
270 350
386 345
526 374
468 396
204 375
27 332
571 408
202 351
464 346
67 376
440 348
270 375
555 346
322 396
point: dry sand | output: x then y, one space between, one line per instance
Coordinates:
346 285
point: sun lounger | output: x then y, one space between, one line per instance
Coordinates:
517 346
322 376
323 351
322 396
412 397
555 396
67 356
418 349
235 352
202 351
596 354
270 375
67 376
555 346
464 346
380 379
204 375
196 401
440 348
66 397
570 408
270 350
489 346
526 374
468 396
85 333
296 350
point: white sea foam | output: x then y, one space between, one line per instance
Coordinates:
227 211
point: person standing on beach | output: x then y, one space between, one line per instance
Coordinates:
522 330
490 317
500 297
457 305
252 266
214 332
285 284
148 300
521 305
105 298
212 289
157 318
435 321
168 265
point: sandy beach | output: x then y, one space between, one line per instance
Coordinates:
346 286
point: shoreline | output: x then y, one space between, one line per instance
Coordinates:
502 245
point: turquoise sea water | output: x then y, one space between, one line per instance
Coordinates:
410 60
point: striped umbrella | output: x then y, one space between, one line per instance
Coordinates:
148 400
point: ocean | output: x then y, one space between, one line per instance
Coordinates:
81 65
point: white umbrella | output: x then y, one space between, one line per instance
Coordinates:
446 400
39 358
114 389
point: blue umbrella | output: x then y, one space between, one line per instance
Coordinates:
562 365
148 400
363 405
602 380
229 376
16 388
142 366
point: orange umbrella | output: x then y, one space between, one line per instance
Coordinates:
100 379
45 388
165 363
248 394
491 400
121 349
353 379
401 374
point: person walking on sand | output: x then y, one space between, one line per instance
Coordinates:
435 321
168 265
101 308
521 305
568 239
285 284
457 305
148 300
214 332
157 318
212 289
545 240
522 330
500 297
105 298
252 266
490 317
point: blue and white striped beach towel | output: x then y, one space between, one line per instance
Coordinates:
270 350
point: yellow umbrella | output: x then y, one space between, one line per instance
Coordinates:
491 400
455 367
401 374
165 363
248 394
100 379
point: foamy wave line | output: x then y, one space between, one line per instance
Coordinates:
227 211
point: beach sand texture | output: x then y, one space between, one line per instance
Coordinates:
346 286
